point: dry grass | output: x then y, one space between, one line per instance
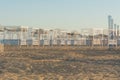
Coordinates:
64 63
1 48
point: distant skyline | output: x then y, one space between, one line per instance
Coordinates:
64 14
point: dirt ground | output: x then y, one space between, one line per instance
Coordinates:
59 64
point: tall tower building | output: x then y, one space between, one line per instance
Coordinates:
117 31
112 33
110 28
110 22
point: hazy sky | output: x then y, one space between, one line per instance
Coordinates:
65 14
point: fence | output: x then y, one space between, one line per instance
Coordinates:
24 36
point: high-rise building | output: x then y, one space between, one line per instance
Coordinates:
110 27
110 22
112 32
117 31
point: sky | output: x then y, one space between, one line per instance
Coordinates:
63 14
